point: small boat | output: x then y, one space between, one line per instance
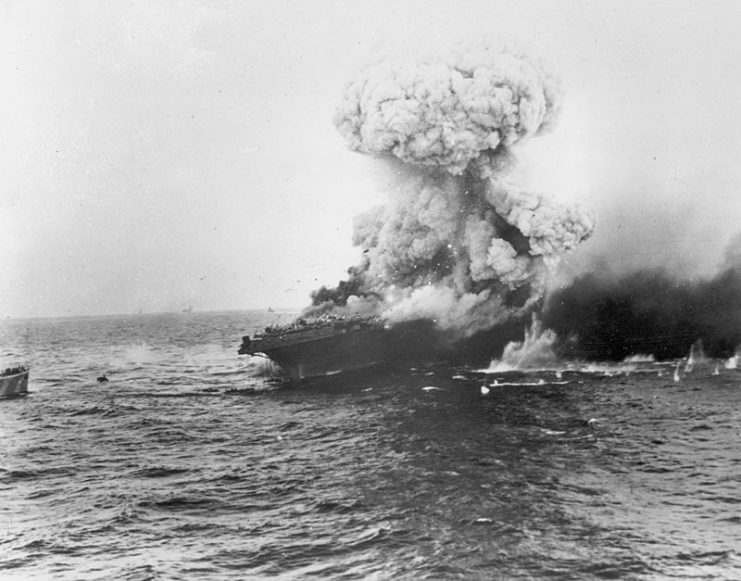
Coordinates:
14 381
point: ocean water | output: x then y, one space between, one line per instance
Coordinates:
190 464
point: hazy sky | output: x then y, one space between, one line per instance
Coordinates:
156 155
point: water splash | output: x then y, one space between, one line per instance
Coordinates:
696 357
141 353
640 358
608 370
262 367
535 351
731 362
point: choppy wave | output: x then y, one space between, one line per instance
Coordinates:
570 471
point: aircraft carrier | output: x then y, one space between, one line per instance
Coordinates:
329 345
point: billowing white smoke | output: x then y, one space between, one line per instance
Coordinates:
450 112
459 242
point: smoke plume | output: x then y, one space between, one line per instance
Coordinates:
460 241
606 316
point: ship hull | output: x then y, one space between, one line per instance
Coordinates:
352 349
14 385
330 355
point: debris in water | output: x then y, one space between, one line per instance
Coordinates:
432 388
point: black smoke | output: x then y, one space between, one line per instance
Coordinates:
338 295
609 317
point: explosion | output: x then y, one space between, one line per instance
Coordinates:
460 242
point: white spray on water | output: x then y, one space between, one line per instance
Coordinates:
535 351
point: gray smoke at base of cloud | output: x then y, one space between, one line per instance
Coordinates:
460 241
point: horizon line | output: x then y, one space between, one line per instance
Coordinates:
9 318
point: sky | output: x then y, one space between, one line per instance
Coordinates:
156 156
